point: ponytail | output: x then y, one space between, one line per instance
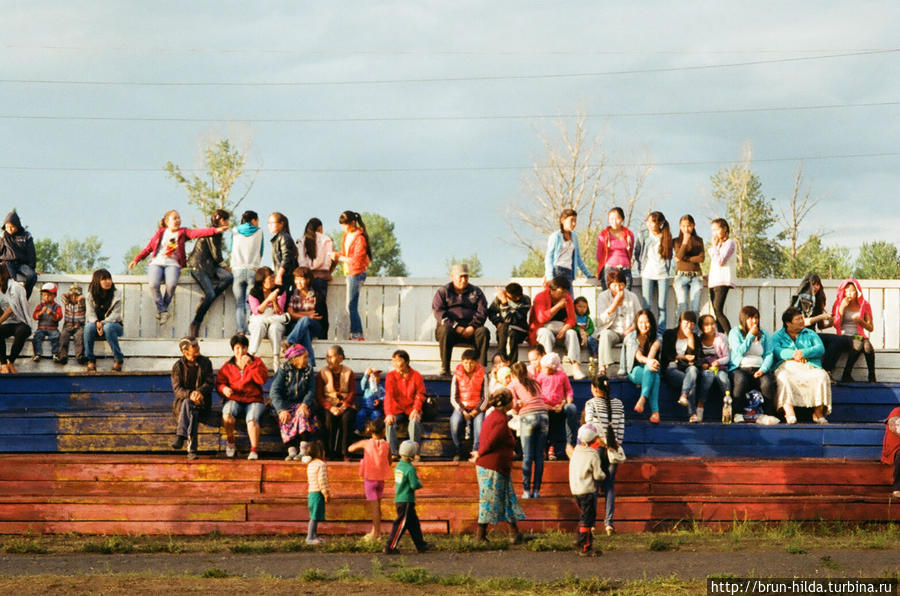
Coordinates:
352 217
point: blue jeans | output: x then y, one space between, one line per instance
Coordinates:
243 281
156 274
111 331
414 427
629 280
458 424
354 284
684 381
662 293
212 287
648 381
707 378
37 341
533 434
304 330
24 274
320 285
609 486
687 292
252 412
592 345
567 418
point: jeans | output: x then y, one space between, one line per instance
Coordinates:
546 336
648 381
304 330
609 486
156 273
320 285
592 345
24 274
243 280
19 332
687 292
75 333
566 273
458 424
250 412
354 284
413 427
37 341
112 332
189 417
212 287
744 381
533 434
563 424
685 382
662 293
707 379
629 280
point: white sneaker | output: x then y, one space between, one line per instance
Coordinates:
313 541
304 460
253 455
577 373
738 418
699 414
163 317
230 450
292 454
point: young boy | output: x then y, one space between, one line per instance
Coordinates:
73 326
585 475
47 314
372 407
406 483
509 313
469 398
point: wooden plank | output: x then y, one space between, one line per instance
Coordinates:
890 319
232 512
184 489
767 306
371 311
131 308
338 319
876 299
391 313
149 326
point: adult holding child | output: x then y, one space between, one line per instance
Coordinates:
616 309
563 254
689 255
17 254
240 383
552 320
246 257
309 311
460 309
206 261
336 394
314 251
103 318
615 248
14 320
355 254
801 380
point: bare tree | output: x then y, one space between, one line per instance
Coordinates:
630 183
799 207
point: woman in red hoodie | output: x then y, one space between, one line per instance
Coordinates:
615 247
890 452
240 383
852 316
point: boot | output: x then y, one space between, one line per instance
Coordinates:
852 356
515 535
481 533
870 364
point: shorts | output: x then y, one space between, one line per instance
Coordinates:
251 412
374 489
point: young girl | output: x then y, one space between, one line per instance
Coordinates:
314 251
534 425
585 325
284 252
654 261
563 254
246 250
167 248
317 489
375 469
751 363
689 254
355 255
372 406
641 364
721 270
615 248
103 318
714 359
852 315
608 415
267 315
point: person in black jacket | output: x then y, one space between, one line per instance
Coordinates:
284 252
17 252
461 310
192 382
205 262
679 359
509 314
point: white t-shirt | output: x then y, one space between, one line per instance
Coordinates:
753 356
655 267
168 247
566 255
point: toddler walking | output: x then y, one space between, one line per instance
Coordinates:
585 473
406 483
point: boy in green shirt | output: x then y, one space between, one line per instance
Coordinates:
406 483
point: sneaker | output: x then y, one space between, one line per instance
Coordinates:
577 373
526 495
424 548
178 443
292 454
192 455
253 455
682 401
699 414
163 317
313 541
551 454
36 358
230 450
820 420
610 530
535 495
738 418
304 459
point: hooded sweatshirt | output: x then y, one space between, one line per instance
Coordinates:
17 248
864 307
246 247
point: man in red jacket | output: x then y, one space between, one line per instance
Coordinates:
240 383
553 320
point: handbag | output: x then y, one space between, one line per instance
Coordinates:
615 456
429 408
515 424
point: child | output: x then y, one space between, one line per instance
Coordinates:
509 314
469 397
73 326
585 473
375 469
317 483
608 417
535 353
47 314
372 407
406 482
585 325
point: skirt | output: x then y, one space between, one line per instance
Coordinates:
803 385
298 425
496 498
316 503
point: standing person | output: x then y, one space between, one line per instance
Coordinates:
284 251
73 326
205 262
48 314
468 398
192 384
689 254
679 361
406 483
317 491
167 258
375 469
615 248
641 363
308 309
246 257
751 363
563 254
103 318
853 316
17 254
561 409
534 424
293 395
14 320
267 316
404 395
336 394
509 314
314 251
890 451
553 320
608 416
722 271
585 473
240 383
810 299
715 358
616 309
654 260
356 254
460 309
798 369
496 496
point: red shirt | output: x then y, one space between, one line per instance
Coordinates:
540 313
247 384
891 442
402 396
496 447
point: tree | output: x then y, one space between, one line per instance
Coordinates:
830 262
224 165
140 268
47 253
474 263
70 256
799 207
386 259
877 260
531 266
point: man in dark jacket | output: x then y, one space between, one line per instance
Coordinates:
205 262
192 382
17 252
460 310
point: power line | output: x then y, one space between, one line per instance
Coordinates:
549 76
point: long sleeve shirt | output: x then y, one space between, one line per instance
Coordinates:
335 389
585 470
247 384
403 395
540 313
738 344
463 309
807 341
317 476
596 413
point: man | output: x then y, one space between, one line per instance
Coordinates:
553 320
240 383
17 252
616 309
460 310
192 382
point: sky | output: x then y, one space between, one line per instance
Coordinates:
430 113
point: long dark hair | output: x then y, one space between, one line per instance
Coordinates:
644 345
601 384
665 234
566 213
4 278
352 217
98 294
723 224
259 279
283 220
520 372
309 237
689 218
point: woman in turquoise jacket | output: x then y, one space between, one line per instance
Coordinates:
563 255
801 381
751 363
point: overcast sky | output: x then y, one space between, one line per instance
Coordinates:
81 158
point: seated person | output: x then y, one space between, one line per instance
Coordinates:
509 314
584 325
372 405
616 310
679 361
404 395
751 363
853 322
240 383
553 320
293 395
798 369
336 392
309 312
47 314
469 398
641 362
561 409
714 361
890 451
461 310
192 383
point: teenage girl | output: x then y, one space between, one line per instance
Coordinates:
356 254
721 270
615 248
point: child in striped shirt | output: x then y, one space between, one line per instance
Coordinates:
317 481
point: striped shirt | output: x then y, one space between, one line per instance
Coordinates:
595 413
317 476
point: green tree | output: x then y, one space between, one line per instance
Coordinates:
140 268
474 263
877 260
81 256
830 262
531 266
224 164
386 258
47 253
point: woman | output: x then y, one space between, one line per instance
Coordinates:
168 258
293 395
751 361
810 299
267 316
284 251
356 254
404 396
615 248
852 314
654 258
714 360
722 271
563 254
801 381
534 424
206 268
103 318
335 392
680 356
496 496
14 320
641 364
308 309
314 251
689 254
608 415
17 253
246 256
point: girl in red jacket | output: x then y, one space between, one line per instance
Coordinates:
852 316
355 255
615 248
